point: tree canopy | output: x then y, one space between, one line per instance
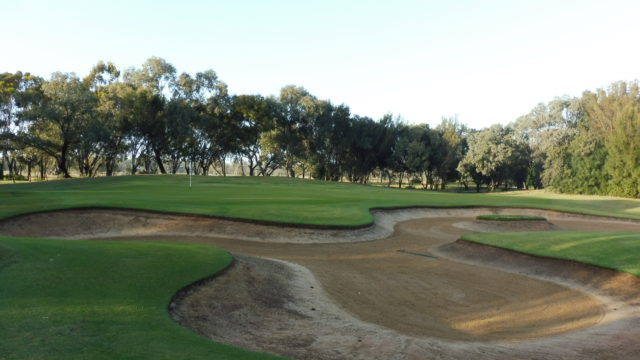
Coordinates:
153 119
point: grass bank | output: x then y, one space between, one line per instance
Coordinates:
612 250
64 299
275 199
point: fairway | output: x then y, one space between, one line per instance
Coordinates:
64 299
311 292
276 199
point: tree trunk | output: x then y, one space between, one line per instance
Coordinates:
62 167
43 170
134 167
110 164
10 166
242 167
158 158
223 165
62 160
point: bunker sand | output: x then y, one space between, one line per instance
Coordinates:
367 299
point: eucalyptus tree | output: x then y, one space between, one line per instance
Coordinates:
327 140
256 116
614 117
372 146
298 106
102 140
453 146
116 135
549 130
154 81
156 74
216 127
9 87
494 157
149 121
58 118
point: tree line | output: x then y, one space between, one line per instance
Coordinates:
157 121
153 120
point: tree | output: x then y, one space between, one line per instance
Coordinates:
298 106
256 115
494 157
115 114
623 149
58 119
9 87
452 149
155 74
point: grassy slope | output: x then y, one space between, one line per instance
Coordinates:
64 299
274 199
613 250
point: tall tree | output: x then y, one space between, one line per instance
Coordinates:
298 106
58 119
256 115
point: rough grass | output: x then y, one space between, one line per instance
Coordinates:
63 299
496 217
275 199
612 250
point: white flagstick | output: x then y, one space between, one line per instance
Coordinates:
190 171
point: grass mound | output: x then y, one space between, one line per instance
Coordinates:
64 299
612 250
496 217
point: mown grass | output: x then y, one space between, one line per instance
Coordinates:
496 217
77 299
612 250
63 299
275 199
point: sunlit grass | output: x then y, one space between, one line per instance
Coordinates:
63 299
275 198
613 250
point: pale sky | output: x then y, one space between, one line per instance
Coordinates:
486 61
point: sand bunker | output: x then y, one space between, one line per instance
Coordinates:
343 294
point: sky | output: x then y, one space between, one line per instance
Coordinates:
485 62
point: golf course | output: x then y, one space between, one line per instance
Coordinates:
135 267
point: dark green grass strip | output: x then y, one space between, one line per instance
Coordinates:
62 299
274 199
612 250
496 217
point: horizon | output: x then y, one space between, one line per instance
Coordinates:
486 63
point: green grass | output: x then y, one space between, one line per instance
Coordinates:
612 250
66 299
496 217
78 299
274 198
